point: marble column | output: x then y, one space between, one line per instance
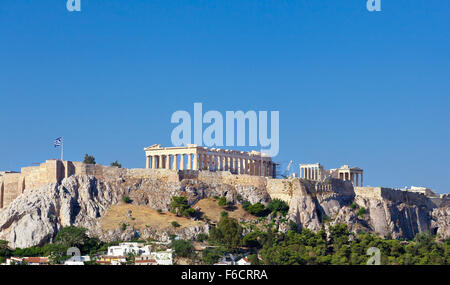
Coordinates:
153 162
175 162
182 162
167 161
195 167
189 162
147 162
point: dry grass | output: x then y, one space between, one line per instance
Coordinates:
212 210
141 217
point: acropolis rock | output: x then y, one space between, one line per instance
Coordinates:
81 194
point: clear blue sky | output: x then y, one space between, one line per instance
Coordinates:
352 87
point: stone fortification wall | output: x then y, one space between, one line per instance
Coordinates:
54 171
398 196
225 177
282 189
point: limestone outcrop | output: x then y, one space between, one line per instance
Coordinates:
36 215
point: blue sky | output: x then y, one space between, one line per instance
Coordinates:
352 87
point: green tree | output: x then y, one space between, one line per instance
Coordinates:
202 237
5 251
222 201
180 207
211 255
361 211
257 209
183 248
131 259
228 233
175 224
253 258
246 205
116 164
89 159
254 239
72 236
278 206
126 199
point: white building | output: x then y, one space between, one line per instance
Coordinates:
28 260
157 258
227 260
423 190
77 260
243 261
126 248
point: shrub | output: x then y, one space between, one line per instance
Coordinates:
293 226
253 239
124 226
353 206
211 255
175 224
202 237
224 214
89 159
116 164
447 242
361 211
278 206
180 206
257 209
159 211
245 205
190 212
222 201
325 218
126 199
253 258
182 248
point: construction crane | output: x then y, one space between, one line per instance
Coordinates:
286 171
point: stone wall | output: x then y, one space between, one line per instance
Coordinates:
54 171
51 171
226 177
282 189
12 185
398 196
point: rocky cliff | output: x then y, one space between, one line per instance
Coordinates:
35 216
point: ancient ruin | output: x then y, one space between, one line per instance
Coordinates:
193 157
316 172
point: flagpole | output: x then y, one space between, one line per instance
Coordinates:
62 148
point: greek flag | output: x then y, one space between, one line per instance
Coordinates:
57 142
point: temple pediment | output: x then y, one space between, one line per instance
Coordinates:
155 146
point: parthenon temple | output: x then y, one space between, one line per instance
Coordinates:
316 172
193 157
